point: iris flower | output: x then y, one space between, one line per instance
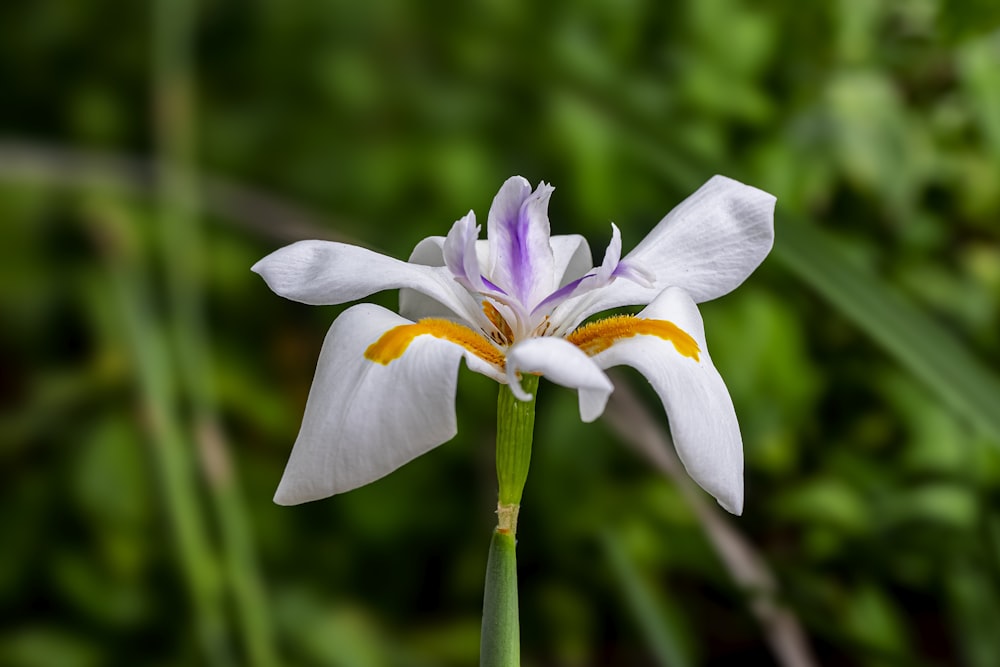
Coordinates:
384 389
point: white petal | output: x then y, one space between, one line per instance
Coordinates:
364 419
561 362
459 252
571 257
429 252
324 272
702 419
414 305
707 245
711 241
612 255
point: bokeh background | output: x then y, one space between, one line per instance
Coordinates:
151 152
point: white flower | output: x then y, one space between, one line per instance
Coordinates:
384 391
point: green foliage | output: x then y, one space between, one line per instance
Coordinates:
862 357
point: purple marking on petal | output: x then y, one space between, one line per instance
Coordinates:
597 278
635 274
495 288
521 258
503 215
561 294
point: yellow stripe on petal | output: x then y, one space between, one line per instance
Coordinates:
600 335
393 343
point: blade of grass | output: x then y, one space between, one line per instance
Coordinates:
151 357
913 338
637 428
660 632
183 250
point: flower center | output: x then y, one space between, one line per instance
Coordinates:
600 335
393 343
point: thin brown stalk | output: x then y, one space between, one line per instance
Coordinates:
264 214
633 423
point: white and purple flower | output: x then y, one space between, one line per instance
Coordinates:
384 390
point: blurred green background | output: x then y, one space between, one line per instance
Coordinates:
152 386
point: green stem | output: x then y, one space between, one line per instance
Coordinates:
515 423
500 643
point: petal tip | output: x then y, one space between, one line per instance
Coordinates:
261 264
285 497
763 195
732 505
594 400
544 189
518 391
294 490
591 413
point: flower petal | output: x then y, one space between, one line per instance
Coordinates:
364 418
598 277
711 241
430 252
702 419
412 304
563 363
459 252
612 256
707 245
326 273
571 257
521 259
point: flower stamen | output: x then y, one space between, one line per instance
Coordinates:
506 334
